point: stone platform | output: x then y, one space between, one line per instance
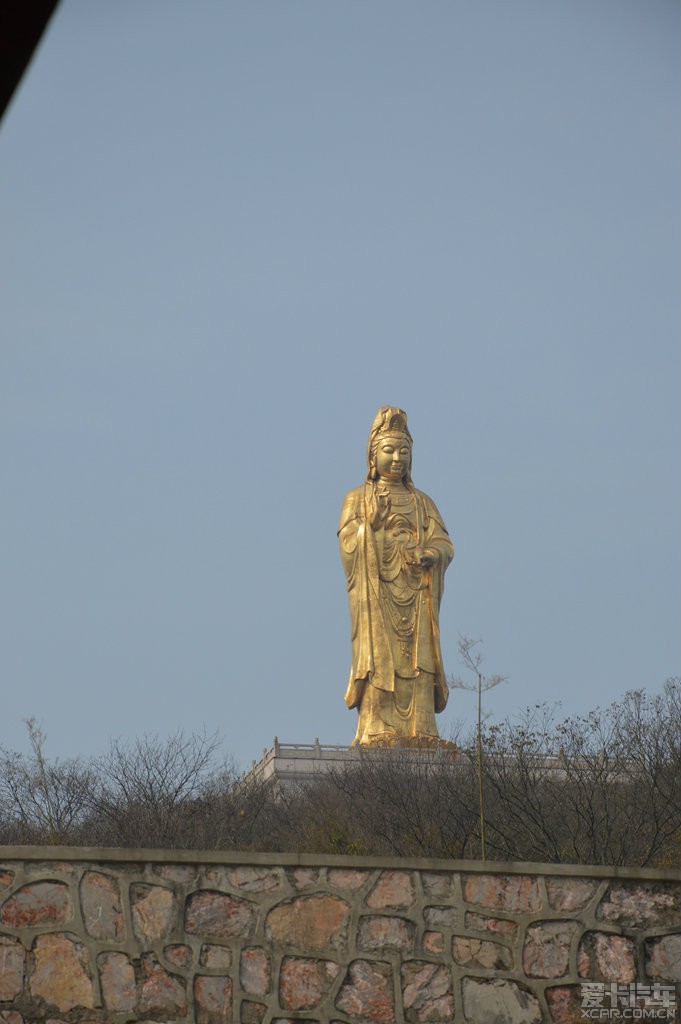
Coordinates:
289 764
295 763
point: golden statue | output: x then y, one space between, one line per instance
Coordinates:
395 550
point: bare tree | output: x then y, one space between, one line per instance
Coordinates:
42 800
151 791
602 788
472 659
393 801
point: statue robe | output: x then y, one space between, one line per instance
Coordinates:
394 609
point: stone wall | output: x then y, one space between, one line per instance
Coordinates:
129 936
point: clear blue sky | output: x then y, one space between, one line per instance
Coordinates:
230 231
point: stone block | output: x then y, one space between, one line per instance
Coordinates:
217 915
255 971
218 958
179 955
154 911
367 992
316 923
499 1001
340 878
252 1013
480 954
52 867
12 959
494 925
394 890
438 884
61 973
213 999
218 877
603 957
570 893
297 1020
305 983
161 993
100 901
39 903
427 992
440 917
565 1004
379 932
503 892
303 878
642 905
180 874
117 979
256 879
433 942
248 879
546 953
663 958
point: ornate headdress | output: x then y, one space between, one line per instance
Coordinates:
392 422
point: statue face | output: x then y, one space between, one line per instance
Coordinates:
393 457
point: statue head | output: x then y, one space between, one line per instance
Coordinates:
390 422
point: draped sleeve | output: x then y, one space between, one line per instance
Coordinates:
371 656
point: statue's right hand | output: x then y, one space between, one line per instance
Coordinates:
379 508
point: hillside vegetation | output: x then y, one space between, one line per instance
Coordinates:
604 788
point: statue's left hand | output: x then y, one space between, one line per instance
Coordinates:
423 559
